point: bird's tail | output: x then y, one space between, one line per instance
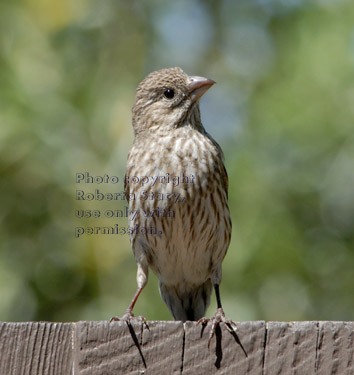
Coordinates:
186 303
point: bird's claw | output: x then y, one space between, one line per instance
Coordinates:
129 317
218 318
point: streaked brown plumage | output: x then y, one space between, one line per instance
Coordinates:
170 140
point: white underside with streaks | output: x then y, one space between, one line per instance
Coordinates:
192 244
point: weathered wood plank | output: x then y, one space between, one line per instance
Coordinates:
225 355
162 347
290 348
335 348
107 348
113 348
85 348
35 348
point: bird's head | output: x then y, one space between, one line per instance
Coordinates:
168 98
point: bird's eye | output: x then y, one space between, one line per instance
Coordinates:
169 93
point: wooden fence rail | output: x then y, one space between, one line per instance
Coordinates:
97 348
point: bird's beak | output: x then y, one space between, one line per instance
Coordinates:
198 86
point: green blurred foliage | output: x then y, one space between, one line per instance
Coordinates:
282 111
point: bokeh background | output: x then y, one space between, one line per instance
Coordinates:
282 110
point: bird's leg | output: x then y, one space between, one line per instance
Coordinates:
128 315
218 318
141 278
129 311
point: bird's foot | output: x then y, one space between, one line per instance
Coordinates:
218 318
129 317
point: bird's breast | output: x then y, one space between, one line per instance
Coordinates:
180 206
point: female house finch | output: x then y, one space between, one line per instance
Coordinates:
182 228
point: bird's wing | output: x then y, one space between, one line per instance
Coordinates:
126 188
223 173
224 178
126 178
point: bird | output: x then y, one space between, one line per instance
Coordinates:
177 185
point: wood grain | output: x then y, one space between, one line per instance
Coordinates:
335 348
97 348
114 348
35 348
225 355
290 348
